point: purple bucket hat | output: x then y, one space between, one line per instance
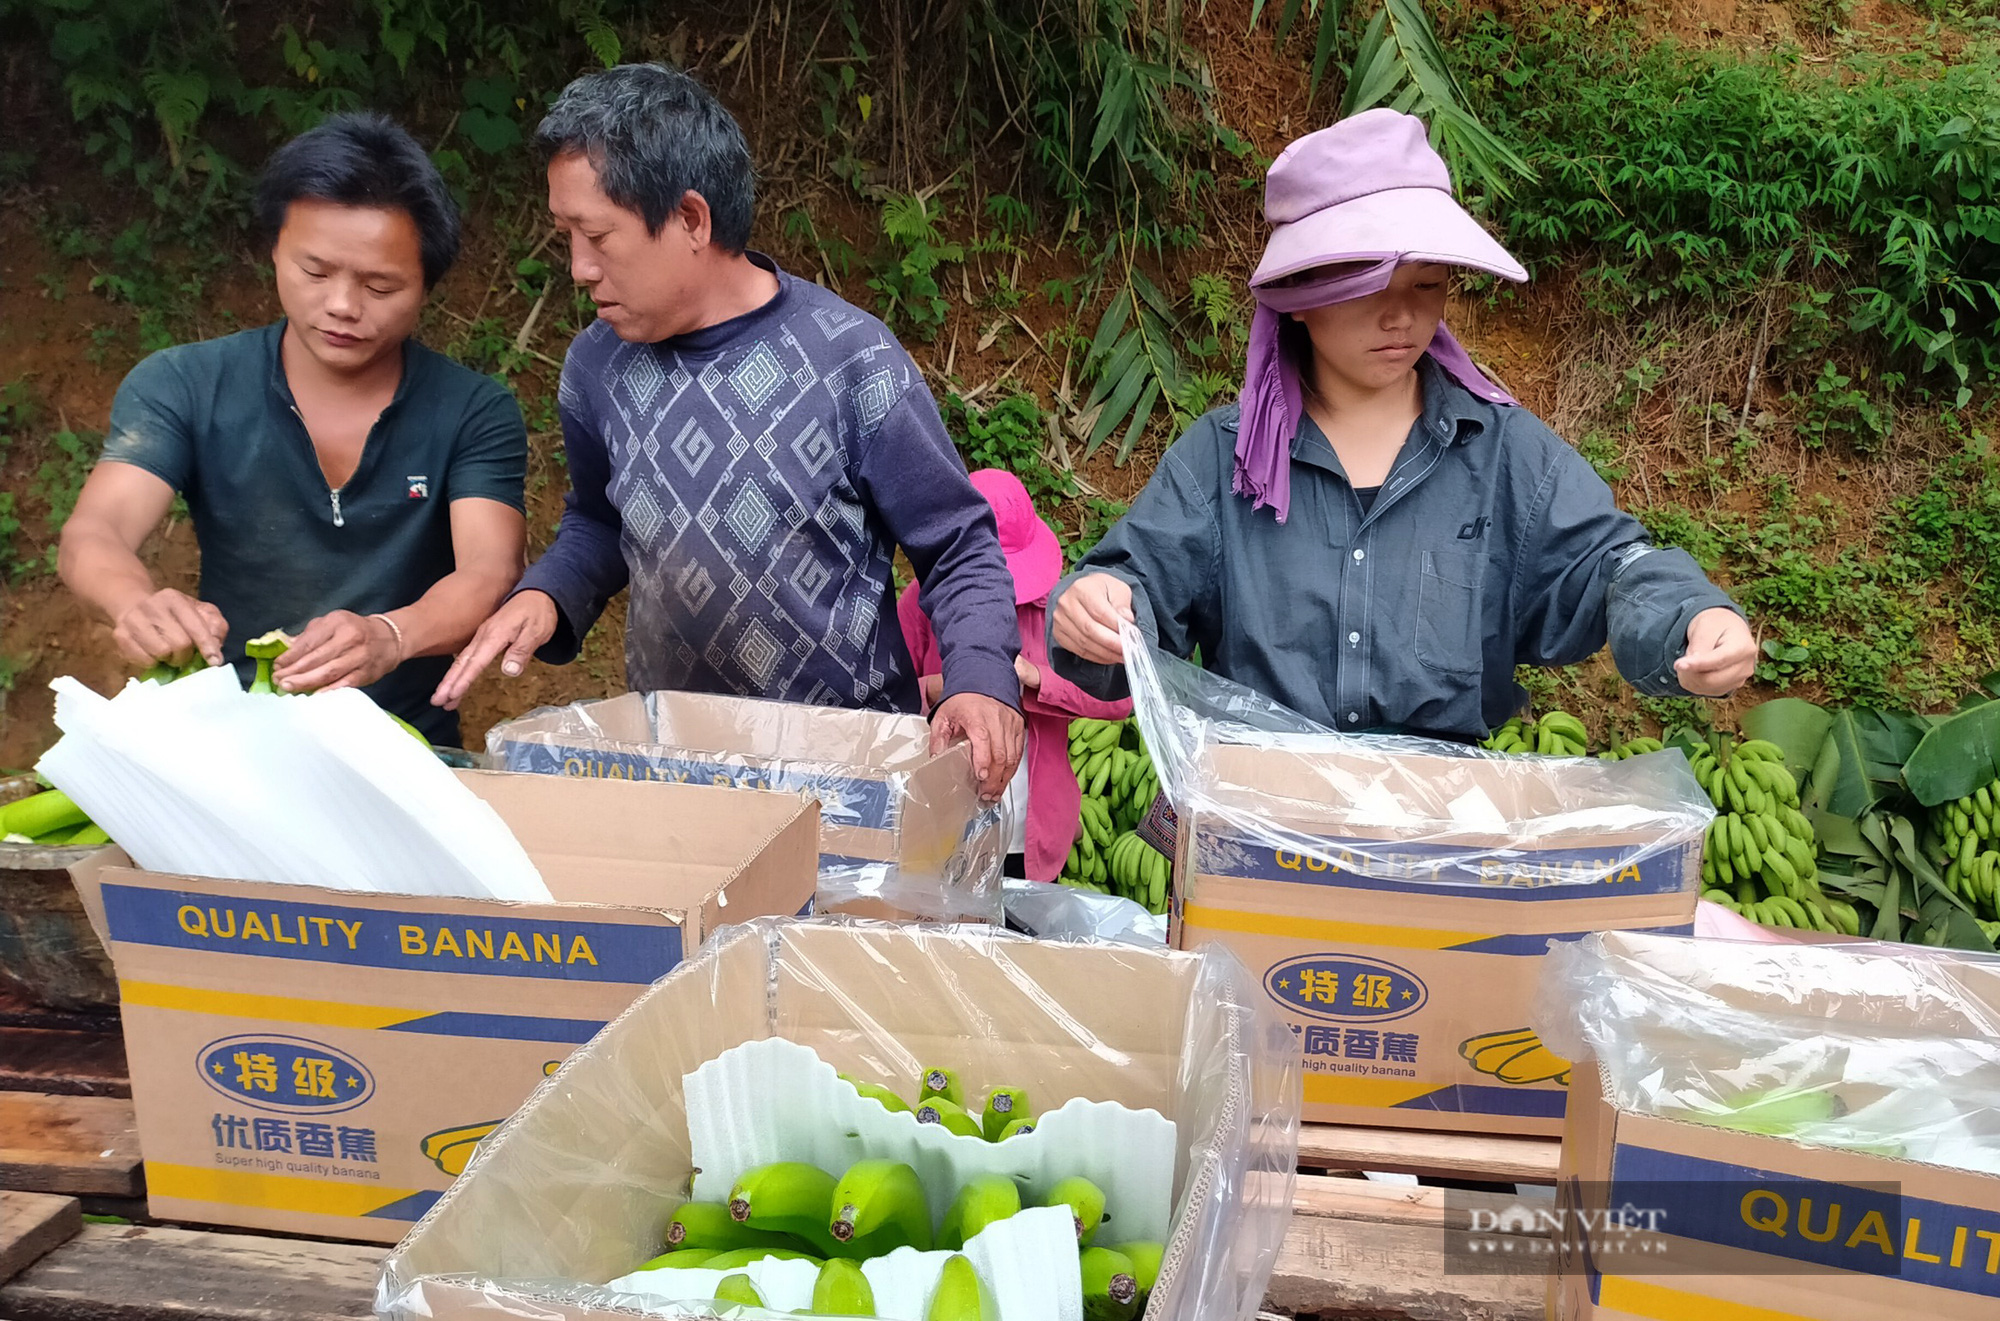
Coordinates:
1370 187
1366 195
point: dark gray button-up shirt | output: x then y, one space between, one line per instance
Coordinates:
1491 544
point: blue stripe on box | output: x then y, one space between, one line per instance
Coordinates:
1444 870
475 941
845 800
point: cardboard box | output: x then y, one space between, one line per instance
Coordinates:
883 797
321 1061
579 1184
1864 1237
1404 993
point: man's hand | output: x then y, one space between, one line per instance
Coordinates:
340 649
517 629
1025 671
992 727
932 686
170 626
1088 616
1721 654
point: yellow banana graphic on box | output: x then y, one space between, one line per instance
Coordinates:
450 1148
1515 1056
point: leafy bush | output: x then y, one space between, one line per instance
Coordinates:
1676 172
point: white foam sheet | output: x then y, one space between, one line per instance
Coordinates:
775 1100
1028 1260
201 778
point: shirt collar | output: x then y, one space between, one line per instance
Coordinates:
1452 415
710 340
274 340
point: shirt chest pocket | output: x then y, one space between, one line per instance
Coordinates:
1450 620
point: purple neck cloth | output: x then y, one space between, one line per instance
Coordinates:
1272 405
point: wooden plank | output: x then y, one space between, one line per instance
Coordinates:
1473 1156
31 1224
1358 1199
69 1144
17 1009
145 1273
71 1063
1362 1270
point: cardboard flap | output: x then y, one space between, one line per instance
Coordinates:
788 731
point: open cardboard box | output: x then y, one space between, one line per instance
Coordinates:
323 1061
1320 869
1765 1228
884 799
575 1190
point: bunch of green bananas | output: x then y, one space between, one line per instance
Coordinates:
1557 734
793 1210
1760 856
1637 747
1139 872
1968 839
1119 784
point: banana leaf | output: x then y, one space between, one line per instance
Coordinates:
1794 724
1960 753
1861 762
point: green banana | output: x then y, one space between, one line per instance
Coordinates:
738 1289
1110 1285
738 1258
961 1295
1017 1127
1085 1201
880 1204
842 1290
940 1082
985 1199
712 1225
788 1197
951 1118
680 1259
1145 1258
1003 1106
879 1094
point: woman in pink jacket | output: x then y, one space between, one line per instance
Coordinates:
1042 806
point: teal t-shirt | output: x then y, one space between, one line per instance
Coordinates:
216 421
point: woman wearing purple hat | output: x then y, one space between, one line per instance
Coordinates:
1042 806
1377 534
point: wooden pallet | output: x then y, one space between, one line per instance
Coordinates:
31 1224
1477 1157
75 1145
1355 1251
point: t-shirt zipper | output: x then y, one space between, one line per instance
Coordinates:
332 491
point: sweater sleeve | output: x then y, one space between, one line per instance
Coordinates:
911 475
584 567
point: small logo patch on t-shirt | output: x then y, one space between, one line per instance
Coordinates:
420 486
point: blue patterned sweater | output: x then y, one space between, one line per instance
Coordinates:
751 482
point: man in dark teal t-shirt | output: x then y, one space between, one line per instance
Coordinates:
346 484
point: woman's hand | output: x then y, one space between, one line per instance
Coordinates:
1088 616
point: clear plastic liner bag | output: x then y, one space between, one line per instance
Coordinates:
902 833
967 888
1064 912
1270 789
574 1191
1884 1049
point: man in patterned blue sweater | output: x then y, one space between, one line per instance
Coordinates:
746 451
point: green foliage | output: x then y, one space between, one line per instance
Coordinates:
1708 174
1009 435
1399 62
907 282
